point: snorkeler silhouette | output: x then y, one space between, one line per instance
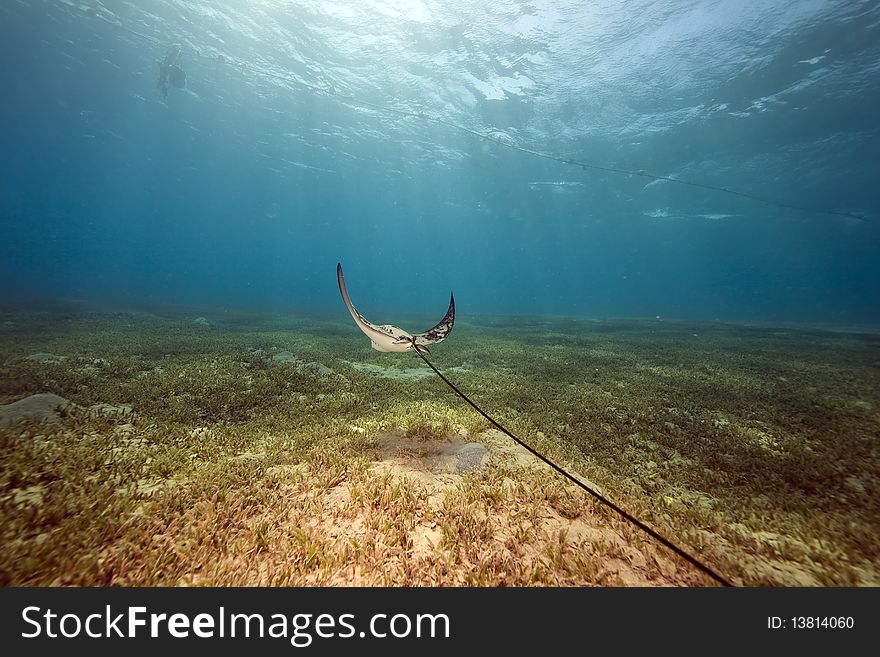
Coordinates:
170 73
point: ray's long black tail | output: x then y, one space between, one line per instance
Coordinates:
604 500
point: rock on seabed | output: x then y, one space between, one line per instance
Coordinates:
42 407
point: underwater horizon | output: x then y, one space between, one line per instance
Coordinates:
536 158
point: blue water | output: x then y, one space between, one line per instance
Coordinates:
313 132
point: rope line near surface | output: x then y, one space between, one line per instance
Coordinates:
601 498
330 92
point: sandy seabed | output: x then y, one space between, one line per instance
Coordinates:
271 450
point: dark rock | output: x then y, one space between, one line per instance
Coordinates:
43 407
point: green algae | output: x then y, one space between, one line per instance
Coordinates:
756 447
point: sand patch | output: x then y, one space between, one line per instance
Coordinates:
421 372
393 372
453 455
44 357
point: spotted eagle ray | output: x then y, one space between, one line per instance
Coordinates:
391 338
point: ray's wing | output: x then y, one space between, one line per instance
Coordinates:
440 332
359 319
